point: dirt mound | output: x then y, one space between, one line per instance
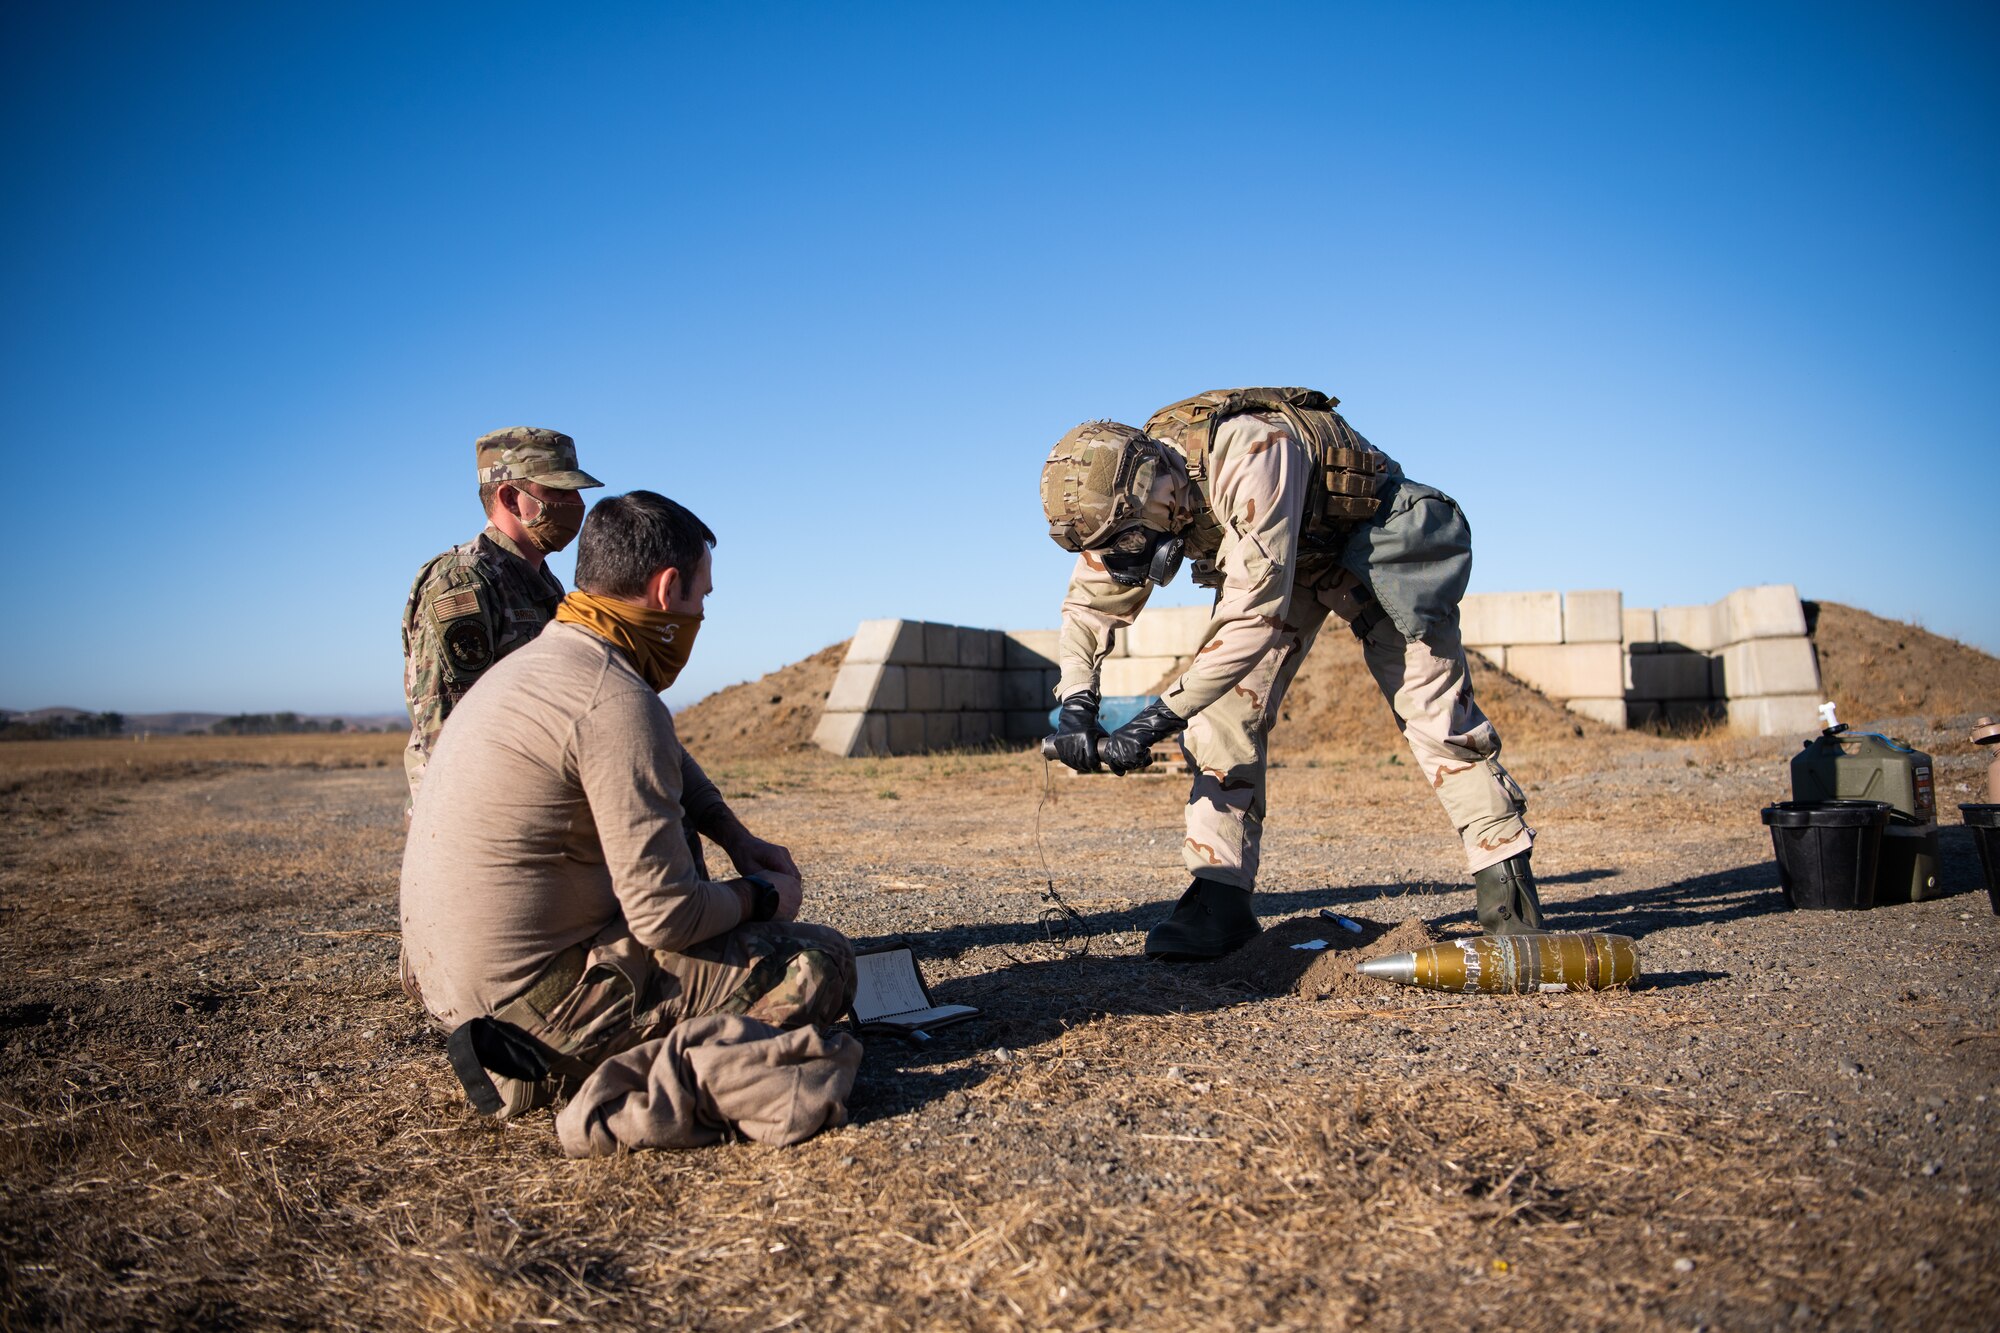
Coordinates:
1878 669
1335 705
1875 668
1282 960
773 714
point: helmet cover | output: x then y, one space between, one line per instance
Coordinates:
1100 479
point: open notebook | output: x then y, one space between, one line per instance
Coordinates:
889 995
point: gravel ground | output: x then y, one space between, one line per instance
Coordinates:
219 1111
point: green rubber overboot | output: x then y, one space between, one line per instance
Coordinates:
1508 904
1210 920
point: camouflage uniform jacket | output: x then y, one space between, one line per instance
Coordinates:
467 609
1414 557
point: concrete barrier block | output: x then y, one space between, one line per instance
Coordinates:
1606 712
969 688
860 687
940 644
1027 724
1776 715
1030 648
1768 611
1173 631
1699 628
1641 712
1025 689
1496 653
984 692
1133 675
923 688
906 732
979 648
982 728
1641 629
1570 670
850 735
1511 617
1597 616
941 730
898 641
1763 667
1660 676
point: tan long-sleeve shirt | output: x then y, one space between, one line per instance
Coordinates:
552 805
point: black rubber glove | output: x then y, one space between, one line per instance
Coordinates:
1131 746
1077 733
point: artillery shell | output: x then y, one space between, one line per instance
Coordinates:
1513 964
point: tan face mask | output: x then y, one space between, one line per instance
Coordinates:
658 642
556 522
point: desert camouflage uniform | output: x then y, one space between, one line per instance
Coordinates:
467 609
1270 606
613 993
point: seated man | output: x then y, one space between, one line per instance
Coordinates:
548 882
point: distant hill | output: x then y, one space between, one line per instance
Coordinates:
170 724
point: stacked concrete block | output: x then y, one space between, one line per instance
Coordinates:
1022 648
1567 645
907 686
1770 611
1697 629
1768 672
1593 617
1745 657
1508 618
1658 677
1568 671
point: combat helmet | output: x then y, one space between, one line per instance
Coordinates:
1097 482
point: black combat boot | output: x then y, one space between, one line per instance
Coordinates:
1508 904
1210 920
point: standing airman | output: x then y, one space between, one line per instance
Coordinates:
476 603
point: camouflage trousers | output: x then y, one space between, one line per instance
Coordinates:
1429 689
595 1000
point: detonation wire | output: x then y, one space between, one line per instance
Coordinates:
1063 927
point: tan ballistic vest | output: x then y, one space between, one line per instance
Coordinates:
1344 469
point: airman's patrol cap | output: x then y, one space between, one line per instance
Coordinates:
529 453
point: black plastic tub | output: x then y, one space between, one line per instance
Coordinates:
1984 821
1827 852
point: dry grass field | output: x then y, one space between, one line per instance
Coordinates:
217 1109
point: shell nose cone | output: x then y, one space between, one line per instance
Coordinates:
1389 967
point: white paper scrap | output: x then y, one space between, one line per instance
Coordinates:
1311 944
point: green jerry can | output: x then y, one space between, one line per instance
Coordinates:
1842 765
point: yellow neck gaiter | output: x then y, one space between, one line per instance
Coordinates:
658 642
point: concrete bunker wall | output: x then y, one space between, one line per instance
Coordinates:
910 686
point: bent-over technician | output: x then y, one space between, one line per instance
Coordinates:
1290 516
557 921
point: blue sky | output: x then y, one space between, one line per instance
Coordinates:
1672 298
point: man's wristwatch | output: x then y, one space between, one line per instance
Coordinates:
765 902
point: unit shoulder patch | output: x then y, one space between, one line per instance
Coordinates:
468 645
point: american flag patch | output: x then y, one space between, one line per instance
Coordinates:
458 603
